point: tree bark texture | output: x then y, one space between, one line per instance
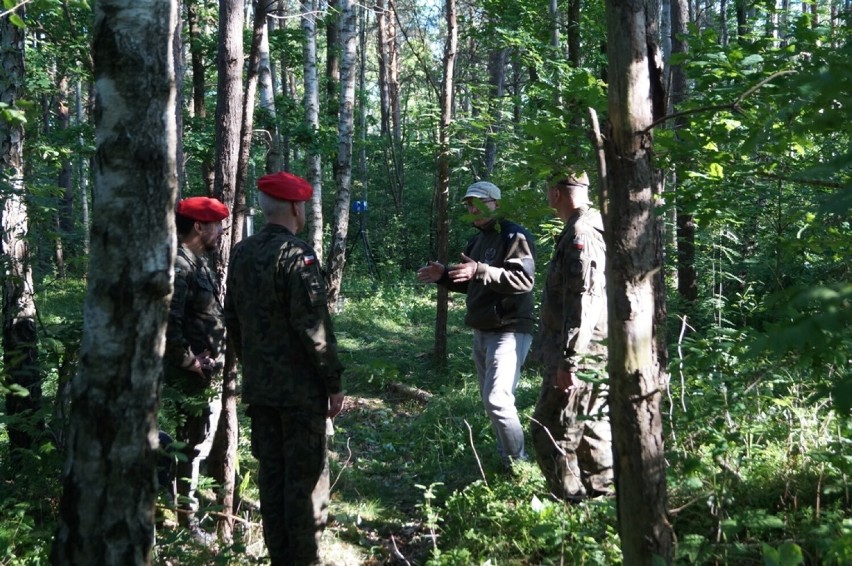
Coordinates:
64 180
442 184
496 83
227 188
387 51
229 112
333 42
227 431
266 102
109 481
314 161
343 165
575 55
687 279
20 353
635 375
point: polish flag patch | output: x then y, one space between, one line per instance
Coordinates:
309 260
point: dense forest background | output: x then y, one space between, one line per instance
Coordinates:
751 151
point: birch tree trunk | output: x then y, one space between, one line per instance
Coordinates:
229 124
314 173
442 185
82 171
362 100
343 165
334 46
635 375
20 354
64 180
106 513
266 102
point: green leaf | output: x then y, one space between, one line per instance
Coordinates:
16 20
717 171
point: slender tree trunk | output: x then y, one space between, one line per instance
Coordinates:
636 378
314 175
575 56
397 167
334 46
83 173
229 124
362 98
388 92
442 185
229 114
199 106
553 10
266 101
227 431
106 514
382 57
687 280
20 353
343 165
496 82
64 180
180 69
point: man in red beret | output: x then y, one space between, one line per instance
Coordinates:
278 323
195 344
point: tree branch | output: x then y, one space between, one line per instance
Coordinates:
733 106
14 8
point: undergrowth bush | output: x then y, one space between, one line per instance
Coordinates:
759 458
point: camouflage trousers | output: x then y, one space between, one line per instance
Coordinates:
293 478
199 402
572 437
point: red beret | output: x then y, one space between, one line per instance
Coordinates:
285 186
202 209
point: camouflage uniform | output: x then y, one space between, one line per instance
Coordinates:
195 325
279 325
576 455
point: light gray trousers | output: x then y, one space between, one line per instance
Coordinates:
498 357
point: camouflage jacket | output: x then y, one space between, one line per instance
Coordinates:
278 321
499 297
195 315
574 296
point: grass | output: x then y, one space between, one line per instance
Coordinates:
755 475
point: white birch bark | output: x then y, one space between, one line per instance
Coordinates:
343 167
107 507
20 354
314 170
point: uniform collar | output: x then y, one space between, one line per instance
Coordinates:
275 228
191 256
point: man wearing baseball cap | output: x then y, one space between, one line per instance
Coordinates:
496 273
195 343
278 323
